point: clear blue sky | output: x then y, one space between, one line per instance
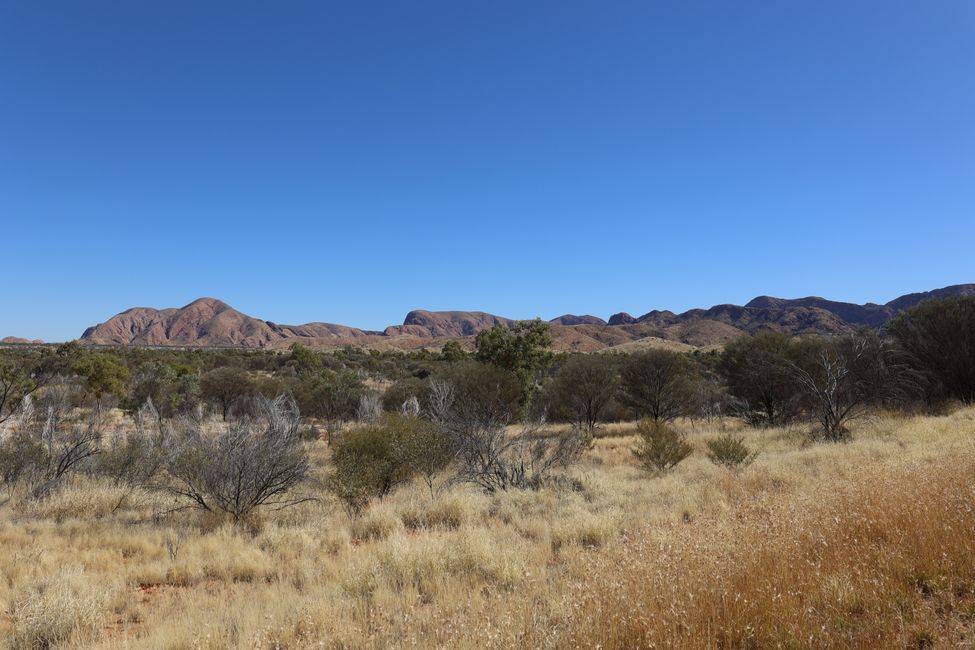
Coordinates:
350 161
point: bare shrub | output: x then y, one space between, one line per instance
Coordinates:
661 448
370 408
490 456
254 463
135 458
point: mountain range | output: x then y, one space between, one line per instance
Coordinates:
208 322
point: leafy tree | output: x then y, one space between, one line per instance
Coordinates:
103 374
172 388
403 390
757 371
841 378
521 349
657 384
940 337
305 361
452 352
333 396
582 388
483 392
226 386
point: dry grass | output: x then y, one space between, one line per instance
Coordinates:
867 544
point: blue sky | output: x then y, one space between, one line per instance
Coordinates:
348 162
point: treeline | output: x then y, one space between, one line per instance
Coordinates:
923 359
445 417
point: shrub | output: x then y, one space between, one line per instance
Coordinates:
226 386
365 466
252 464
660 447
731 452
940 337
420 446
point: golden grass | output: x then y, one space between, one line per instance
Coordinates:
866 544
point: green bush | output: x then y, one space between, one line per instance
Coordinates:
731 452
364 466
660 448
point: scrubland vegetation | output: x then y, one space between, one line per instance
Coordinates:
781 492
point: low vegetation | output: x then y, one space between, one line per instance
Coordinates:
512 499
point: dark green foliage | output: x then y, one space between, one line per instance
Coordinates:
730 452
20 455
174 389
365 466
422 447
582 389
305 361
103 375
841 378
401 391
226 387
483 391
759 378
940 337
520 349
660 447
657 384
15 384
452 352
332 396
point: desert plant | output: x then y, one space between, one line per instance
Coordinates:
15 384
757 372
657 384
521 348
661 447
420 446
730 451
582 389
104 375
940 337
841 378
365 466
225 386
370 408
253 463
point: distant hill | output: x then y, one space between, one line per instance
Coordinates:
208 322
11 340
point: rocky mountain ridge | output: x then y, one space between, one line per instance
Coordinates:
208 322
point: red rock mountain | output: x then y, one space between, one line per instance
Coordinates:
11 340
207 322
211 323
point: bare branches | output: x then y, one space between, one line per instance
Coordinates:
252 464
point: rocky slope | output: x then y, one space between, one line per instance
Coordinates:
209 322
